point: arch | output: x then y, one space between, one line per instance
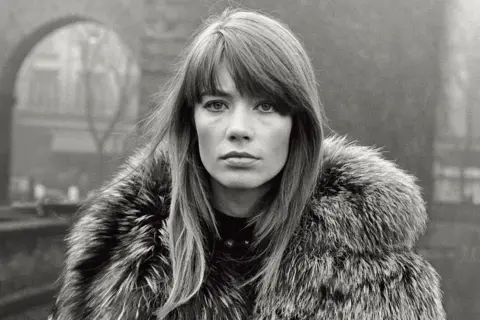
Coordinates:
15 60
8 77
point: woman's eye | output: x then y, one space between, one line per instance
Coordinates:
266 107
215 105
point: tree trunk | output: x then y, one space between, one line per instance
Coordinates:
101 163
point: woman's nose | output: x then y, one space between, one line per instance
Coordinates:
240 125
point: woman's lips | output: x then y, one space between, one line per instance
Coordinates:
241 162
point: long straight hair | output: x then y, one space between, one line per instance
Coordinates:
265 59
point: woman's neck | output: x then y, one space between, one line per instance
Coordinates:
236 202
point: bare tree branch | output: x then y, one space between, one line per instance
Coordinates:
86 84
122 81
118 73
123 102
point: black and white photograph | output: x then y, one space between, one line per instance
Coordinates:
239 159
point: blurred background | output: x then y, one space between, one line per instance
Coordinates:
78 76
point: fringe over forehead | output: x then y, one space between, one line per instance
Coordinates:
263 58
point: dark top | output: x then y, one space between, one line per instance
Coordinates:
234 250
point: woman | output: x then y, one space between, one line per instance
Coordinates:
239 208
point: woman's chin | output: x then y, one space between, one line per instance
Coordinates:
240 185
241 182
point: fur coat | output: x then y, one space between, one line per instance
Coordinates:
351 258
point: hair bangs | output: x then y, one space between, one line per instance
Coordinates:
254 80
251 77
201 72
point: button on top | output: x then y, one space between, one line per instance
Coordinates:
235 233
229 243
232 244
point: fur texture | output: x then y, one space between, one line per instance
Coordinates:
351 258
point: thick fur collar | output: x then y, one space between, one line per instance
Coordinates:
351 258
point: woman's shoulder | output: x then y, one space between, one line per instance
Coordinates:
119 232
136 199
365 200
142 183
360 230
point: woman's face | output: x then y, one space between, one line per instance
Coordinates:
230 123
